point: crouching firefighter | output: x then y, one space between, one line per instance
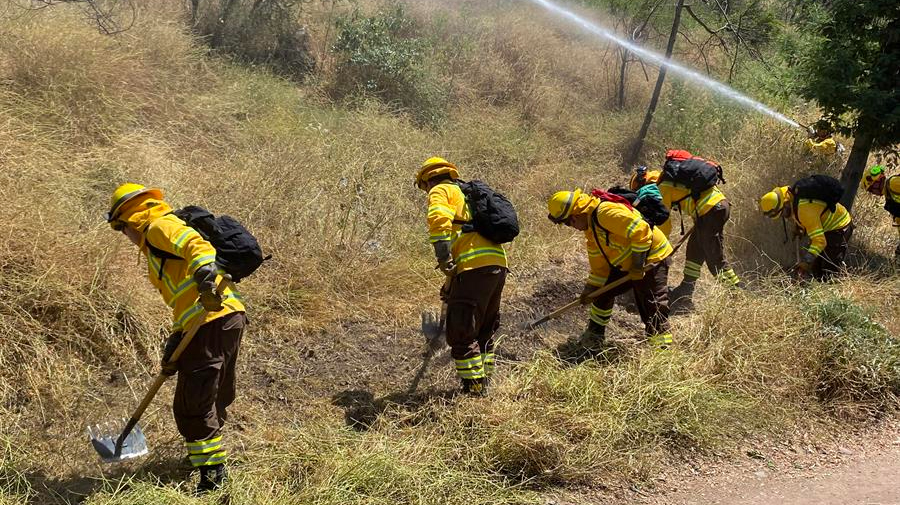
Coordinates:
619 243
812 204
877 183
710 211
475 265
206 368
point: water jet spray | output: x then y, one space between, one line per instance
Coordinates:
685 72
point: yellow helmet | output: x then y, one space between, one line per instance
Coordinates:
561 204
435 166
872 176
772 203
125 193
642 177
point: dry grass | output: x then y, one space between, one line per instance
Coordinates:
328 192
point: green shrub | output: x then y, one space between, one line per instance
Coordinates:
861 361
381 56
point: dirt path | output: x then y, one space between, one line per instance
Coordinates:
871 479
853 468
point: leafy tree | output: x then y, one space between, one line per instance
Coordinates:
853 72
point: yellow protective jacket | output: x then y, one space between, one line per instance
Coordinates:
447 209
892 192
825 147
173 278
814 218
672 192
620 231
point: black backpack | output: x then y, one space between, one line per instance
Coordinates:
819 187
653 210
493 216
696 174
237 251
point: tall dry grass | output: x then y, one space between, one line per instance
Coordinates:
328 191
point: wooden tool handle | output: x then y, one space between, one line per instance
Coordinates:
612 285
161 377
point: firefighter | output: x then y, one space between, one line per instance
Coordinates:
206 368
821 139
877 183
829 231
477 269
619 243
706 243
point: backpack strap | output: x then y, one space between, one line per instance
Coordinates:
594 224
159 253
465 204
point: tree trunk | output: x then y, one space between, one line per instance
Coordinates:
218 38
195 6
639 142
622 68
856 165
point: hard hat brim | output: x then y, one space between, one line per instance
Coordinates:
113 211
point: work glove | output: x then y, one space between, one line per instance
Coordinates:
444 258
803 267
636 272
448 266
172 342
585 296
205 277
806 261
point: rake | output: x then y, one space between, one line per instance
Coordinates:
131 442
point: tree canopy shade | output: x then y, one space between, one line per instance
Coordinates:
853 72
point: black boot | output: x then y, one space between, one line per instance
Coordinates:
681 298
474 387
211 478
592 338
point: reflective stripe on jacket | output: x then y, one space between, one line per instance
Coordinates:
672 192
815 220
446 204
626 232
174 278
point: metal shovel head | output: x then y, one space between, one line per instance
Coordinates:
433 329
105 436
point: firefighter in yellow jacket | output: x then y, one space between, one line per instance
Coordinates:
876 182
706 243
821 139
828 231
477 270
619 243
206 368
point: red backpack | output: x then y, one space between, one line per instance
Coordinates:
606 196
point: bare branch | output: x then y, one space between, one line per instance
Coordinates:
106 18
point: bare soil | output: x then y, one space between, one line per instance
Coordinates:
861 468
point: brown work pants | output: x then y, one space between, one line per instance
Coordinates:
206 377
473 311
831 261
707 242
651 294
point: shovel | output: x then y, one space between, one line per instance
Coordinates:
599 291
434 330
131 443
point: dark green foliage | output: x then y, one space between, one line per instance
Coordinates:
264 33
860 361
381 56
853 68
